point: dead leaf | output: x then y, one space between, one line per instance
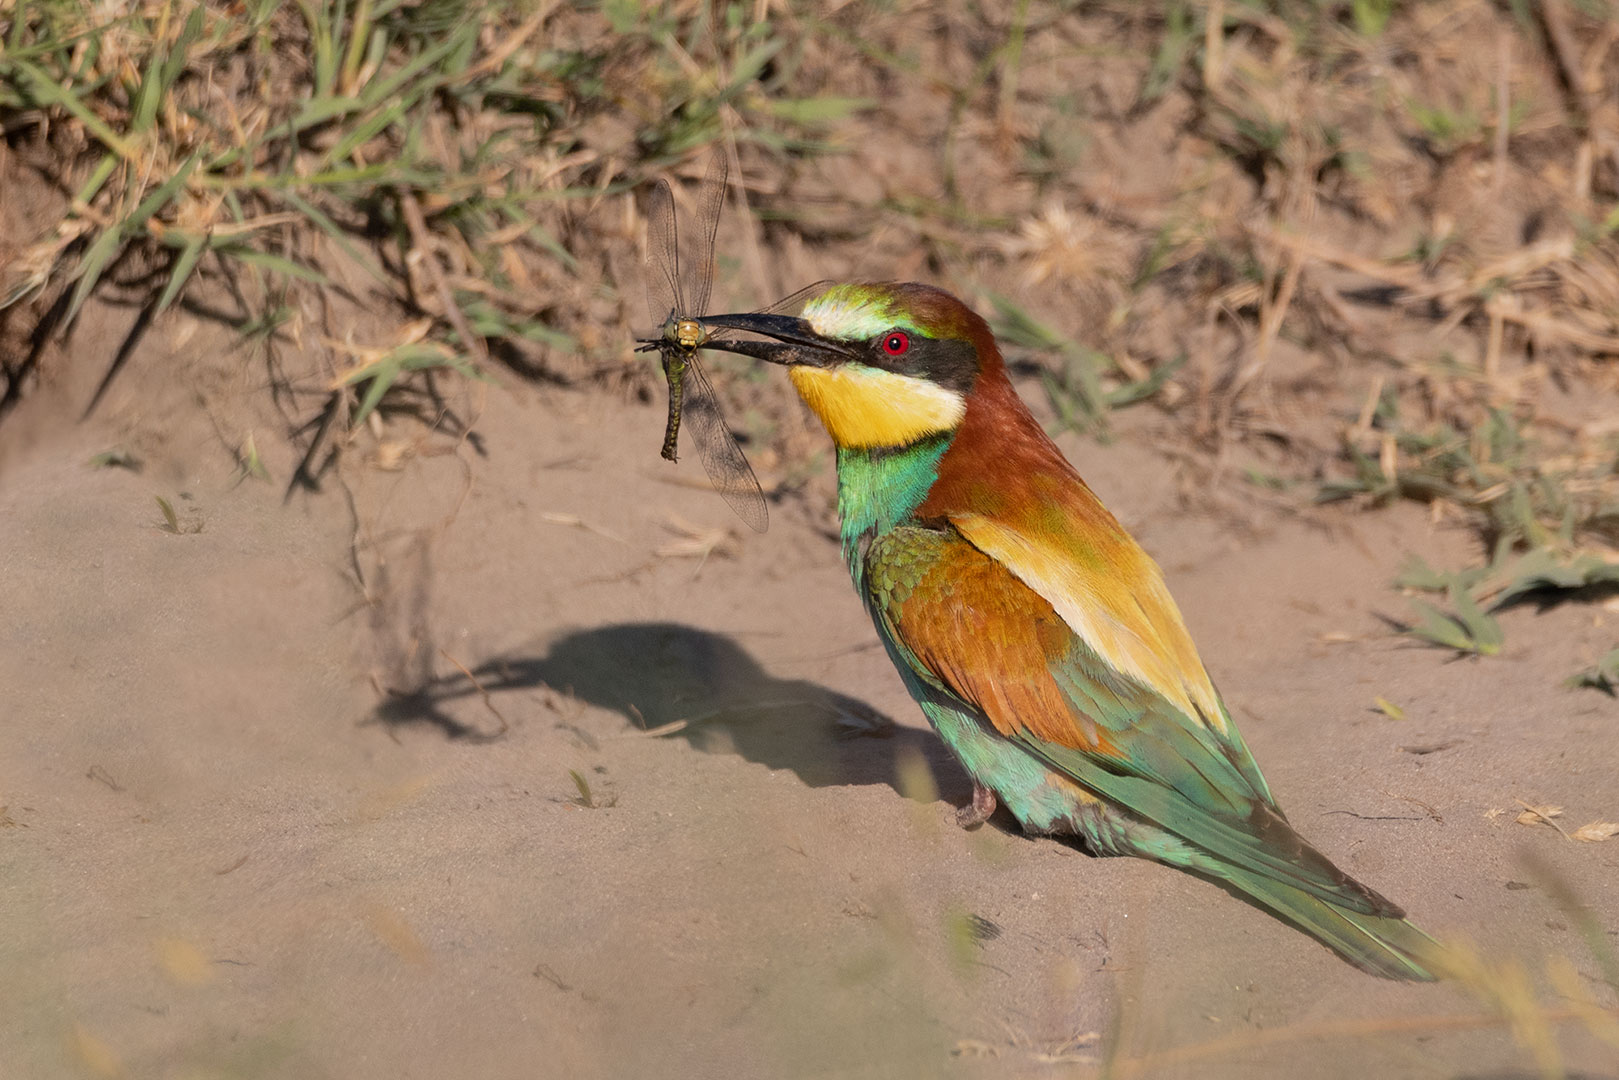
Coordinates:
183 962
696 542
393 931
658 732
94 1054
1596 832
390 454
1534 815
574 521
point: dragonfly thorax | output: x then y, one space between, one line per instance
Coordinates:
689 333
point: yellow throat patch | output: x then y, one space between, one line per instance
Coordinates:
866 407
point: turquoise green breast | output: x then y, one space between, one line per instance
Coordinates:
881 489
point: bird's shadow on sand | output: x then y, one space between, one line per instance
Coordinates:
684 683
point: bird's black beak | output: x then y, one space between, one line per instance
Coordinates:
796 342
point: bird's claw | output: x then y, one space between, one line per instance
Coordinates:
979 810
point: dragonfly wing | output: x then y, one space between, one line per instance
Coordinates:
663 291
723 460
790 302
700 258
795 300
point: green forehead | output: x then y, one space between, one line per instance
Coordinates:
856 312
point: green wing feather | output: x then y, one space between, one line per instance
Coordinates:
1262 844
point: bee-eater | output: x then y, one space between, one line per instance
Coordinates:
1034 632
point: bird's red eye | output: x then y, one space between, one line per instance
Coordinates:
896 343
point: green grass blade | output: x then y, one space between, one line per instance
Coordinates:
1435 626
359 34
180 273
318 18
1603 675
180 53
1130 393
320 110
381 89
383 374
274 263
1482 628
171 520
106 245
96 258
367 130
149 94
158 198
818 111
47 92
326 225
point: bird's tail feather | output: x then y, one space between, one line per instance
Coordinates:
1381 944
1261 857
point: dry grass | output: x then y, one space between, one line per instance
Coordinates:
455 173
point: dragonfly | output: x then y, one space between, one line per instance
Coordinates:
677 296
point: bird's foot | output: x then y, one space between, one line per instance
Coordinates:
979 810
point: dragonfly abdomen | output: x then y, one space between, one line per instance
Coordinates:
674 372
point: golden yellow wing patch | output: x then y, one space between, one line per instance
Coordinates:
1123 612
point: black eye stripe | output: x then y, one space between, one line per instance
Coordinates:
947 362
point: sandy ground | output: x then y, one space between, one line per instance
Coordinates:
223 853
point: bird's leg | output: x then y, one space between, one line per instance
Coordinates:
979 810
